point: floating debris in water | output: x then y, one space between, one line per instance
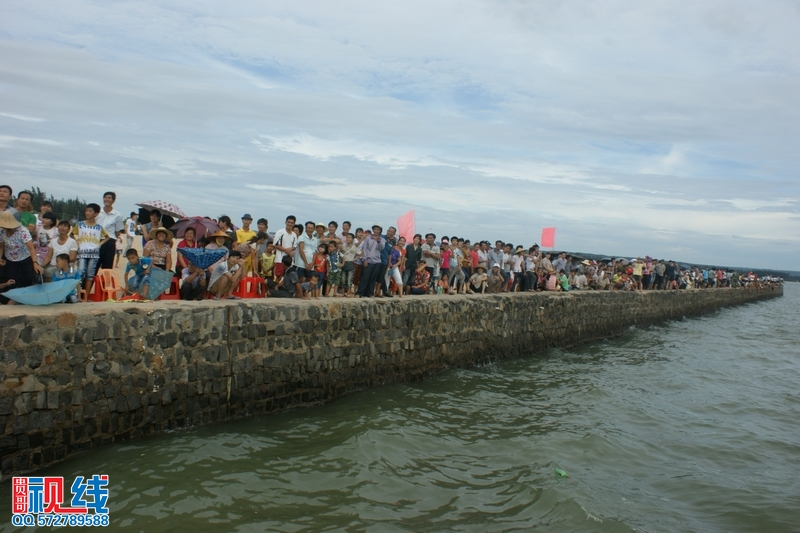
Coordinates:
561 473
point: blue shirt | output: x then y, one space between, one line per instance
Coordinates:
387 249
70 274
140 267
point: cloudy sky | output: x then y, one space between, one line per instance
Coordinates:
660 127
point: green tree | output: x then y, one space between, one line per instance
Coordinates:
64 209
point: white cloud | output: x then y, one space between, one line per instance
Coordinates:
21 117
635 125
6 140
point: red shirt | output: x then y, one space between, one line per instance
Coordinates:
320 262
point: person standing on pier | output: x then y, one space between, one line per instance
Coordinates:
5 205
304 256
431 253
114 224
285 242
371 261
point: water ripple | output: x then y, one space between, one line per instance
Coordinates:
689 426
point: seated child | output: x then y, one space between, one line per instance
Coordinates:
140 266
310 287
65 271
563 280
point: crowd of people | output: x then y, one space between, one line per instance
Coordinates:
309 260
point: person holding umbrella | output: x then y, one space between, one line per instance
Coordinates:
155 223
16 255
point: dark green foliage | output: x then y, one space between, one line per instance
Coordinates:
64 209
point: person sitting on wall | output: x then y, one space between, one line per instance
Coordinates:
225 277
140 281
551 281
194 283
422 278
477 282
289 284
496 280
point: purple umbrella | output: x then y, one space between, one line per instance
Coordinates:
202 226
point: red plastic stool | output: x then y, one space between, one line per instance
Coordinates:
248 288
97 290
174 291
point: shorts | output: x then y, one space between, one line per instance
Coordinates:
637 279
87 266
280 270
303 273
137 282
320 275
335 278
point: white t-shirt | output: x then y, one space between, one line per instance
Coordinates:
284 239
59 249
130 227
220 271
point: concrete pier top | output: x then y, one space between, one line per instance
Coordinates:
85 375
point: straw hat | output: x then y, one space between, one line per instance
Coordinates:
8 221
167 232
220 233
519 250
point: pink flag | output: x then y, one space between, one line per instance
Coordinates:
405 226
548 237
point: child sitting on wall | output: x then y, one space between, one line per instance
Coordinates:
65 271
140 266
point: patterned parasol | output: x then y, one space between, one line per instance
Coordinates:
166 208
201 257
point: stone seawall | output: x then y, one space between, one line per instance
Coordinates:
76 377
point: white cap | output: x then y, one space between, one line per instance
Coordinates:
496 265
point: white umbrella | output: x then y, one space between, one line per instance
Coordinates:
166 208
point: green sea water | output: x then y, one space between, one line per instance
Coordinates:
687 426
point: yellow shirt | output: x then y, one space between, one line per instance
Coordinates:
267 264
243 236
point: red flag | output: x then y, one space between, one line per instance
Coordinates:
406 227
548 237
